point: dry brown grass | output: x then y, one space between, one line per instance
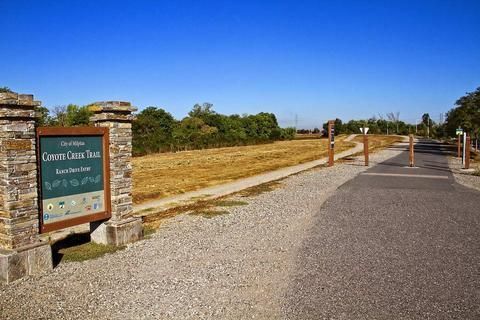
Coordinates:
307 136
376 141
161 175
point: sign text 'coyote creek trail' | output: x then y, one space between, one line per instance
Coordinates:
72 178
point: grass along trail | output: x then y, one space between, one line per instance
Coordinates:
167 174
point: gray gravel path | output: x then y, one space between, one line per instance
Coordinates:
233 266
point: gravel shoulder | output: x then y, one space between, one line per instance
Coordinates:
232 266
463 178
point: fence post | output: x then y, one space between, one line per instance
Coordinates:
122 227
22 251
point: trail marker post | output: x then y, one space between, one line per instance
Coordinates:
331 142
467 153
412 155
464 147
364 130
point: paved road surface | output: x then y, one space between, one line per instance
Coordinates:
393 243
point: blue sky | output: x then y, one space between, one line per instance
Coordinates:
314 59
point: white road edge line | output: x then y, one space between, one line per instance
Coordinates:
427 176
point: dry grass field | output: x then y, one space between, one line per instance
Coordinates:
307 136
376 141
160 175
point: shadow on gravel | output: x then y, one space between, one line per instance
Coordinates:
72 240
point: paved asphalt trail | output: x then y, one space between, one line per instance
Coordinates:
392 247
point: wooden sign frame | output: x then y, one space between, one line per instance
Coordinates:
72 132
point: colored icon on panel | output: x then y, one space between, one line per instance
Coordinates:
84 200
46 216
50 207
61 204
74 203
88 208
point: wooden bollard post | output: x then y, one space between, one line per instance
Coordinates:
412 154
467 153
331 142
365 148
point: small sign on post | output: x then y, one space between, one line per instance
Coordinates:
364 130
459 133
331 142
412 154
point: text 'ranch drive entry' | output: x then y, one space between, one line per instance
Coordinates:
74 176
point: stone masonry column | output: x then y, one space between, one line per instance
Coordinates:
22 252
121 228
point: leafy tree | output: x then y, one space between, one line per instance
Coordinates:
465 114
193 133
339 127
152 131
44 119
78 116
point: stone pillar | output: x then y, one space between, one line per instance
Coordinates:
22 252
121 228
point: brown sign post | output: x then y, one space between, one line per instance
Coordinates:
412 154
459 147
365 149
365 145
331 142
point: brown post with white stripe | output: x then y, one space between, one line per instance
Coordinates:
331 142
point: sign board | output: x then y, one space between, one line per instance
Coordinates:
332 136
459 131
74 176
364 129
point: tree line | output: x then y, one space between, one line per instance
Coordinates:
465 114
375 126
156 130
